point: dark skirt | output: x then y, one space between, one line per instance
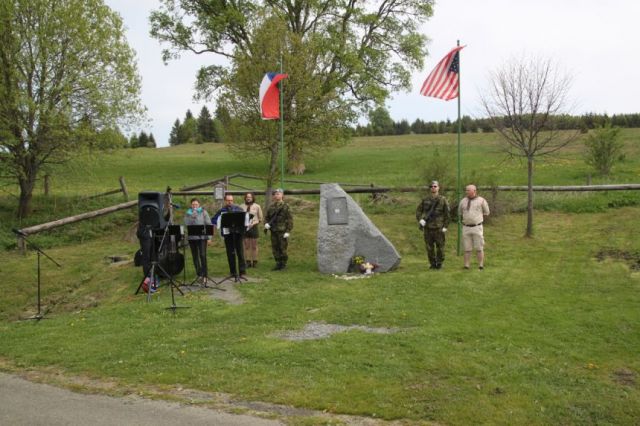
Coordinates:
252 233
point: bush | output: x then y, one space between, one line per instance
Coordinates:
604 149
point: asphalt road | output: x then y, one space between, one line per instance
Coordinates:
26 403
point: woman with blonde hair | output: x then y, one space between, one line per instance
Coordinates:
251 236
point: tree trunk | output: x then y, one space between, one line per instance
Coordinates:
27 183
296 160
529 232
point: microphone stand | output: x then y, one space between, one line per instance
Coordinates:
39 315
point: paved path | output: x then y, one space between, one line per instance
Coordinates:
26 403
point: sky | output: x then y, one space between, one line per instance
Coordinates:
594 41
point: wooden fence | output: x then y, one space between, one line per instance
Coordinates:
352 188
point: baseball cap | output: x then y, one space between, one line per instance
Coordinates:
278 190
434 182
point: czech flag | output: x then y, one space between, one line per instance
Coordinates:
270 96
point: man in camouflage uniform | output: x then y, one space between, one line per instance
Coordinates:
279 220
433 216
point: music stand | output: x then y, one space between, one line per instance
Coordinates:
234 223
39 315
201 231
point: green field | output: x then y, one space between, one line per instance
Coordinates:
548 333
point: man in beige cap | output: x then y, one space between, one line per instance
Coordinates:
472 209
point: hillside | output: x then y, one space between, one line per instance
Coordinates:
548 333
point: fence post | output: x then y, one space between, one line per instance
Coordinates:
123 185
47 184
22 247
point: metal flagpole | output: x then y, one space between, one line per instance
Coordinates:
281 126
459 186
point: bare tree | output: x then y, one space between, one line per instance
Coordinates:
524 99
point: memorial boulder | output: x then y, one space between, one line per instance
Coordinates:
345 231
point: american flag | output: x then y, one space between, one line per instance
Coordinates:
443 82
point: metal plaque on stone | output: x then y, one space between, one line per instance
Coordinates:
337 211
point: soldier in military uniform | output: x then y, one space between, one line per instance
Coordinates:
280 222
433 216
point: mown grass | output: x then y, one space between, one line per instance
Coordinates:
546 334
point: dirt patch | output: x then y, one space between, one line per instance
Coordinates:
632 258
225 291
317 330
624 377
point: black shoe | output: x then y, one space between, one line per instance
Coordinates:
277 267
283 266
433 266
481 267
439 266
466 267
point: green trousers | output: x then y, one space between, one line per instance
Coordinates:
279 246
434 239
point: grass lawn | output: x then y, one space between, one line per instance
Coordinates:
548 333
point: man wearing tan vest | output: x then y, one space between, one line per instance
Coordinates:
473 209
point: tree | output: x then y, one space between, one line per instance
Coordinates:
381 122
206 127
143 140
175 134
62 61
189 130
523 97
342 58
604 148
151 143
133 141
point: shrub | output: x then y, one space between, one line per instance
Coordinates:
604 149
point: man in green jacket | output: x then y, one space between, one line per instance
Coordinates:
433 216
280 222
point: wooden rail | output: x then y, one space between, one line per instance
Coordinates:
72 219
355 190
370 190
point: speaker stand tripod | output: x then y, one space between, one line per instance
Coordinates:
39 315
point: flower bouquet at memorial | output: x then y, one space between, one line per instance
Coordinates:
361 265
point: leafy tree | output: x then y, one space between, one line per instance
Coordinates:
523 97
110 138
342 58
189 130
604 148
381 122
61 62
133 141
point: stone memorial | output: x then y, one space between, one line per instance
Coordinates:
345 231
